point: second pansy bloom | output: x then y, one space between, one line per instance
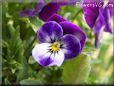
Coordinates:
99 17
44 10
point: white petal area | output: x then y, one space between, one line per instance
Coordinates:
58 58
40 51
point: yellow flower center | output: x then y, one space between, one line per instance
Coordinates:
55 46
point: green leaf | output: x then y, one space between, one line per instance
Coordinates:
31 60
0 76
35 23
16 45
76 70
23 70
30 82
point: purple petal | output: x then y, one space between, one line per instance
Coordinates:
70 28
27 13
40 4
111 7
41 55
65 2
91 12
96 2
98 29
48 10
70 45
108 18
32 12
50 32
45 61
57 18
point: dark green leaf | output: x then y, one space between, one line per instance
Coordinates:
30 82
23 70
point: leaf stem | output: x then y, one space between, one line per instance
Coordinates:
77 13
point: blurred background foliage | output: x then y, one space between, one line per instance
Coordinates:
92 66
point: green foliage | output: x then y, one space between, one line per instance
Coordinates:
76 70
30 82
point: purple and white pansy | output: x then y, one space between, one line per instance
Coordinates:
59 38
55 45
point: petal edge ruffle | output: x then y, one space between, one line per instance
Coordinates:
50 32
70 28
70 45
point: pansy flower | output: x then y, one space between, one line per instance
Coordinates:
45 10
69 28
98 17
59 40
